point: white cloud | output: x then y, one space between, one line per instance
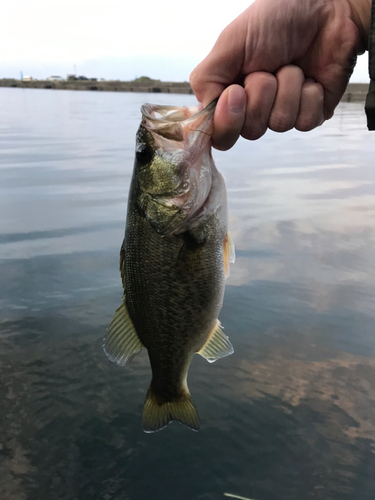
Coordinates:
166 38
81 30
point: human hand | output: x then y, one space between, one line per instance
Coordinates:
281 64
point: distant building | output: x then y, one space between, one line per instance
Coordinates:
55 79
27 78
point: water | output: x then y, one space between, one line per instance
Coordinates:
289 416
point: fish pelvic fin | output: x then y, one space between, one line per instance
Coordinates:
157 415
217 345
121 342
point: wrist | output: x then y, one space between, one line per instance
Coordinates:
361 14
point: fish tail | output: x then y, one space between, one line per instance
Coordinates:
157 415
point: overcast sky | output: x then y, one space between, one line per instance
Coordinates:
116 39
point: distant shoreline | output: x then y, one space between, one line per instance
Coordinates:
356 92
142 85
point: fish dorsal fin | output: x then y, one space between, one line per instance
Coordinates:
217 346
228 253
121 342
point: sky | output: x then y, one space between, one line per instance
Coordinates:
114 39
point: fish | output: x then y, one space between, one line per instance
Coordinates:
174 259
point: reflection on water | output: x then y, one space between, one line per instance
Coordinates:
289 416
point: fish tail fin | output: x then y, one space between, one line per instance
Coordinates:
158 415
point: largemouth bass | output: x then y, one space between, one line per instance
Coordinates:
174 259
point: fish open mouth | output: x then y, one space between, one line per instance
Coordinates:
182 136
178 123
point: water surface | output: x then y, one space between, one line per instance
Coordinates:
289 416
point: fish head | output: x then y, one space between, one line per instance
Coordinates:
173 165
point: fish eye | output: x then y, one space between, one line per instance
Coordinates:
143 153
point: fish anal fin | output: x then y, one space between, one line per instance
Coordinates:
121 342
217 346
229 254
156 416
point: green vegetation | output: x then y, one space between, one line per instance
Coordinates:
145 80
84 78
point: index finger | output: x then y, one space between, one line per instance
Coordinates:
223 64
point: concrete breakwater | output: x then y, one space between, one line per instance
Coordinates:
355 92
104 86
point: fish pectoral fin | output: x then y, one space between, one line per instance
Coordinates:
217 346
228 253
156 416
121 342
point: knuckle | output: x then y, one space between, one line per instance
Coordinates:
311 111
280 121
253 133
264 81
290 72
197 80
193 79
314 92
224 143
304 124
328 113
255 125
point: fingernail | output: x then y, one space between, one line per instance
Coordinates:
236 99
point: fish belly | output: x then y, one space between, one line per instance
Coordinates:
174 290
